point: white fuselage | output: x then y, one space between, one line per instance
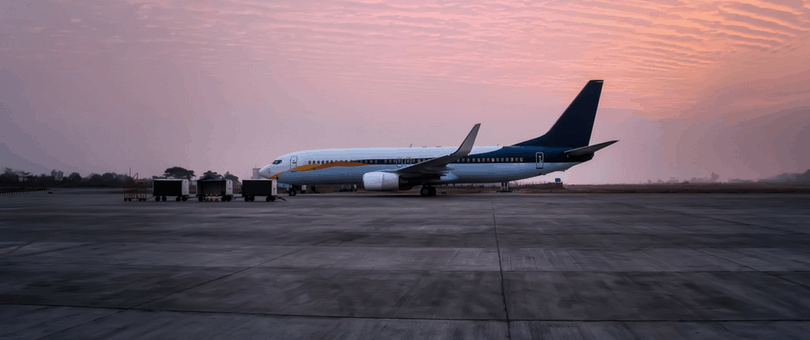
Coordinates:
487 164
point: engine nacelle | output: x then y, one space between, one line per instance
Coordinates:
381 181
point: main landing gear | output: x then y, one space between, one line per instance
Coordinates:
428 191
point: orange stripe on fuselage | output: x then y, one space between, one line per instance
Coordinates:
311 167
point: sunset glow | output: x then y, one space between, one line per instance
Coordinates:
691 87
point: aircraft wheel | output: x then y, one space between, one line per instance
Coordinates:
425 191
157 198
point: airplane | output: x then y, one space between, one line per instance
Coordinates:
388 169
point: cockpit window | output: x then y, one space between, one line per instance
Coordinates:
278 161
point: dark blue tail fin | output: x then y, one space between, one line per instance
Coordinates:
573 128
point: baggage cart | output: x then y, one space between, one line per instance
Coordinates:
259 187
161 188
215 188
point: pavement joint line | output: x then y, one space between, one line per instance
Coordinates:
701 250
122 310
764 272
290 315
28 243
500 267
717 219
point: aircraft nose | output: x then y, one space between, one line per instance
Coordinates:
265 171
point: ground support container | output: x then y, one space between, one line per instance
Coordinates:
162 188
259 187
215 188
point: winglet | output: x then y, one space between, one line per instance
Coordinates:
468 143
438 165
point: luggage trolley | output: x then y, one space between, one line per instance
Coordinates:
219 189
135 189
259 187
161 188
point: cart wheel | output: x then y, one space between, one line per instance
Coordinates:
157 198
269 199
200 198
185 198
163 198
177 199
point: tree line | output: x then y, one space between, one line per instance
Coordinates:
11 177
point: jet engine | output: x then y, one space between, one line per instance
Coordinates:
383 181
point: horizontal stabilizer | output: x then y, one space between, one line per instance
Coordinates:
587 150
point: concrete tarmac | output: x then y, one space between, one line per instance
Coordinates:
82 264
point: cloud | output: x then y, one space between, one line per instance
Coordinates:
201 67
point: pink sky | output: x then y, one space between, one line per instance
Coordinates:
690 87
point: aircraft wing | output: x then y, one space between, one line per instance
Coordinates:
586 150
438 165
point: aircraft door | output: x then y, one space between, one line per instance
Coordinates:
293 163
539 160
